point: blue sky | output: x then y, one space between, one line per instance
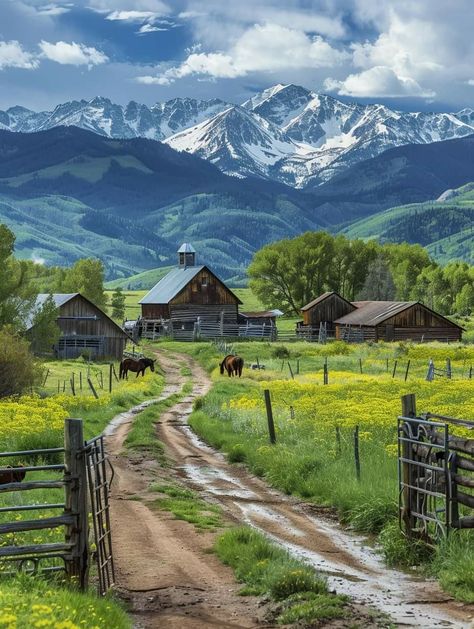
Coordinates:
409 54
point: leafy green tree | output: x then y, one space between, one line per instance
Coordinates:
86 276
118 304
464 302
17 294
289 273
44 332
19 371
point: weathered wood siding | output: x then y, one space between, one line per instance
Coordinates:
84 325
205 289
419 322
332 308
206 313
155 311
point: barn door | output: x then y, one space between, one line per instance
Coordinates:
389 332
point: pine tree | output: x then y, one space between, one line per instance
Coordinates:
118 304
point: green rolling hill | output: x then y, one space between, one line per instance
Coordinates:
445 226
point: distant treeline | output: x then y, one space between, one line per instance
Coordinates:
290 273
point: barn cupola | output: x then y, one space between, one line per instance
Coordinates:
186 256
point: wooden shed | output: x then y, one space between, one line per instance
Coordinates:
325 309
395 321
190 294
84 328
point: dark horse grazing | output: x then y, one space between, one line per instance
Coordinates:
12 475
233 365
138 366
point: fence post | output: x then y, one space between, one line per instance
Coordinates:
408 410
338 441
407 370
110 377
394 369
448 368
73 384
94 392
356 452
325 372
430 374
297 366
291 371
360 364
77 568
271 425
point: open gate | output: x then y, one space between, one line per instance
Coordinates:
435 472
79 479
99 482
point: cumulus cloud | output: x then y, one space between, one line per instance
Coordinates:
132 16
150 28
13 55
262 48
375 82
72 54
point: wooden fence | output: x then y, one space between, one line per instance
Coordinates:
72 554
435 473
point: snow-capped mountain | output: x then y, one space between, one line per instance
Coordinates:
286 133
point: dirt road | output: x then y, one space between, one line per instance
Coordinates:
164 568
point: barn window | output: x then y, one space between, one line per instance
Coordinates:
205 280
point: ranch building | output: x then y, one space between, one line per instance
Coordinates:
360 321
321 314
189 302
395 321
84 328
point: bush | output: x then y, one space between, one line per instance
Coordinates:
293 579
19 371
280 351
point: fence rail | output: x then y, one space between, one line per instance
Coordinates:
85 472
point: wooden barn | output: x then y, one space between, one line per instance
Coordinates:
84 328
395 321
190 299
323 310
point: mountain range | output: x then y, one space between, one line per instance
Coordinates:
286 134
69 193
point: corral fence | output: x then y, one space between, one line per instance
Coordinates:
82 480
205 330
435 471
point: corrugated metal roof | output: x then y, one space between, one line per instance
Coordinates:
59 299
186 247
322 298
170 285
374 312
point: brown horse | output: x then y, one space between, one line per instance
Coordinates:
138 366
12 475
233 365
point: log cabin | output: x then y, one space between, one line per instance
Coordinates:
190 294
324 310
85 328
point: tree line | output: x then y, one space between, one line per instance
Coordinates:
290 273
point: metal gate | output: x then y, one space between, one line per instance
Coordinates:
99 481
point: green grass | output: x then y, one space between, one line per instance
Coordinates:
267 569
33 602
186 505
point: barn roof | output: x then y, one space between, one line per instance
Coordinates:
173 283
60 299
371 313
321 298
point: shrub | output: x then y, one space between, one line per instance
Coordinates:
19 371
280 351
293 579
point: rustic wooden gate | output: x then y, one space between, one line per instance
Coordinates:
435 474
98 466
83 466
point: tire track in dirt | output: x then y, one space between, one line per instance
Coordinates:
163 567
350 565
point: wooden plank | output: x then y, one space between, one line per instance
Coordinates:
36 525
408 410
36 484
34 549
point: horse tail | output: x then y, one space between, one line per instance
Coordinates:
241 366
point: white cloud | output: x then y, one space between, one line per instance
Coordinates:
54 9
262 48
132 16
377 81
12 55
470 82
150 28
72 54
